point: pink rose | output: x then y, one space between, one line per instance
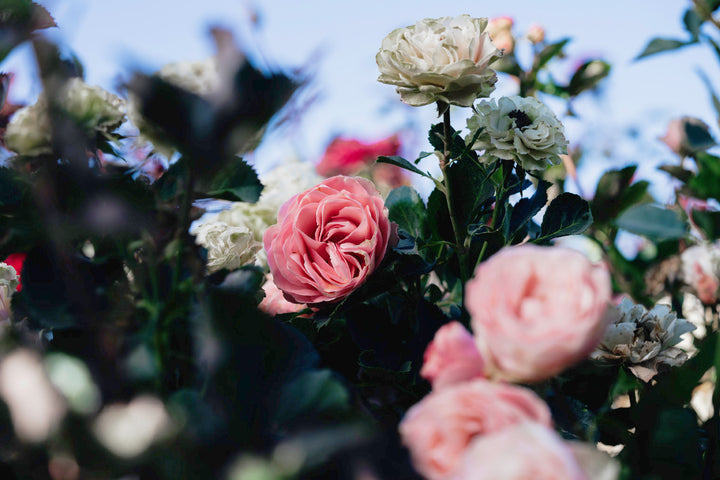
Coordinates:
524 451
439 428
676 137
537 310
500 31
328 239
348 157
451 357
274 302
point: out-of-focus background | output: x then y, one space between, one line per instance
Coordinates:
334 44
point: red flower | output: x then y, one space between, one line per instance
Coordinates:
16 261
348 157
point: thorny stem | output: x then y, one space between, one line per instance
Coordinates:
444 161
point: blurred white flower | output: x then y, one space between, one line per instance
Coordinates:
73 379
35 406
9 282
701 271
519 129
644 340
127 430
444 59
91 107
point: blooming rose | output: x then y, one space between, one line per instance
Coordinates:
520 129
442 59
348 157
643 339
439 429
527 450
92 108
536 310
328 240
451 357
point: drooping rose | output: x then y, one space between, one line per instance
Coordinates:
439 429
451 357
536 310
524 451
348 156
444 59
328 239
681 130
519 129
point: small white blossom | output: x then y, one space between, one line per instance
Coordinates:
644 340
519 129
444 59
227 247
9 282
91 107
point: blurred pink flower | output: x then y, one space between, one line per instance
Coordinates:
451 357
439 429
535 33
524 451
347 156
536 310
328 239
500 31
676 137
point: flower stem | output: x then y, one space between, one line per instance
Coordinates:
444 162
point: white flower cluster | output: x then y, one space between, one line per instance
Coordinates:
701 270
519 129
644 340
91 107
233 237
442 59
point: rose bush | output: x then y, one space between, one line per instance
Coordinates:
439 429
444 59
519 129
537 310
328 240
451 357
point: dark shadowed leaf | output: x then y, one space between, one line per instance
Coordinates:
402 163
659 45
237 182
313 393
547 53
567 214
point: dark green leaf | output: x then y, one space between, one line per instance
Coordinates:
436 137
653 222
316 392
10 193
471 189
567 214
526 208
706 184
588 76
237 182
698 136
170 185
402 163
407 210
613 193
659 45
677 172
547 53
708 222
692 22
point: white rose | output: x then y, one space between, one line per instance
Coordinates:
517 128
9 282
91 107
227 247
442 59
701 270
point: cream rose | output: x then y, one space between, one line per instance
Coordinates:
519 129
536 310
444 59
227 247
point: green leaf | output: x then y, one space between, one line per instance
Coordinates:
567 214
692 22
547 53
677 172
237 182
526 208
660 45
402 163
706 184
708 222
588 76
698 136
651 221
471 188
612 194
10 193
169 185
436 137
313 393
407 210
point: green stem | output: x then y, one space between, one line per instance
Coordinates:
444 162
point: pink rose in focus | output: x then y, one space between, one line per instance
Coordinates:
348 157
439 428
524 451
537 310
451 357
274 302
328 239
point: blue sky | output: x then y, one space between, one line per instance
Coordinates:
336 41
